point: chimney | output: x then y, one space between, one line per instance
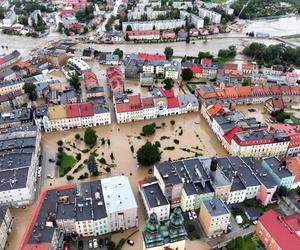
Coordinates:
213 167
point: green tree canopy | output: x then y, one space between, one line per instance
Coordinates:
30 90
149 129
75 82
168 83
187 74
119 52
168 52
148 154
90 137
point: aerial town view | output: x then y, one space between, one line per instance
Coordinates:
149 124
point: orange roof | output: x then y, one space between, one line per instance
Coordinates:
244 91
23 64
230 92
214 109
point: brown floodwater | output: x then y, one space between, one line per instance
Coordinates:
122 136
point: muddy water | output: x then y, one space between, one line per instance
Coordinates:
122 136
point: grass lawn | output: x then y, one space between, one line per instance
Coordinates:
67 162
248 243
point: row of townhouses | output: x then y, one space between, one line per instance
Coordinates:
186 183
70 116
87 209
161 102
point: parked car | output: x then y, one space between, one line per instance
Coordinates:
67 246
245 226
95 243
235 207
190 215
50 176
90 244
229 229
194 214
51 160
130 242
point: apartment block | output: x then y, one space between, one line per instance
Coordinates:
214 17
20 149
87 209
6 223
214 217
158 24
153 198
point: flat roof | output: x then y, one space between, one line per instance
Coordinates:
216 207
154 195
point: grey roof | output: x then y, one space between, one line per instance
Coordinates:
95 90
154 195
6 73
263 134
225 165
3 211
41 111
216 207
12 55
157 93
83 209
65 210
252 213
165 170
275 164
100 109
186 99
98 204
17 115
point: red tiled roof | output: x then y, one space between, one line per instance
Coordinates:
230 134
146 56
147 102
247 66
168 92
244 91
76 26
196 68
2 61
173 102
66 12
294 166
206 61
86 109
214 109
278 228
72 110
230 66
135 102
143 32
90 78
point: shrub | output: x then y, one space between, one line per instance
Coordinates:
60 149
86 150
169 148
164 137
77 136
60 143
108 142
70 177
78 157
163 124
59 156
112 156
132 148
107 169
102 160
172 122
176 141
157 144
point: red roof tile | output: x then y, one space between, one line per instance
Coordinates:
86 109
294 166
72 110
206 61
278 228
230 134
146 56
173 102
147 102
196 68
230 66
247 66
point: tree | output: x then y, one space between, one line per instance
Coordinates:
75 82
60 143
77 136
30 90
23 20
202 55
168 52
92 165
111 245
2 13
78 157
187 74
90 137
127 37
128 28
149 129
239 242
187 40
132 148
119 52
168 83
206 20
282 191
148 154
107 169
172 122
70 177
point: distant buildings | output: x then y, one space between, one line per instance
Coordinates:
6 223
10 18
10 59
88 209
171 235
143 35
192 18
20 149
149 25
77 64
293 165
214 17
214 217
279 232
